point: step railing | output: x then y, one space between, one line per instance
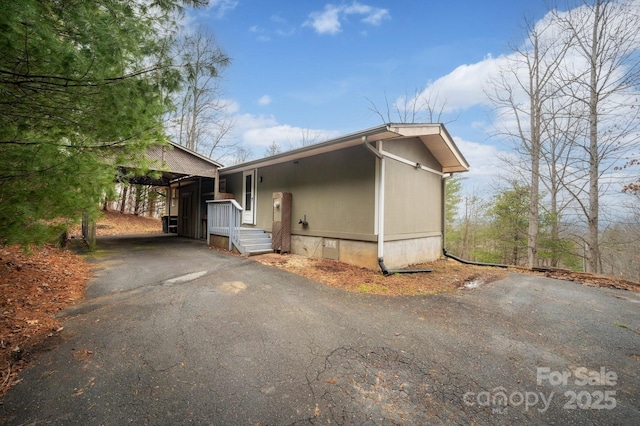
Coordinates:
224 218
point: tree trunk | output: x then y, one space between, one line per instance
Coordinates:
152 197
594 158
534 188
123 200
465 234
555 229
137 200
534 214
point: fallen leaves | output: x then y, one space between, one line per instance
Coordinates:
116 223
83 355
446 275
33 288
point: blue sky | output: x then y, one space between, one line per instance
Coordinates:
312 69
315 64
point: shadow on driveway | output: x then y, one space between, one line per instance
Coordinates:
172 332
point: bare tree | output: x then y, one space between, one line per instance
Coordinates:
273 149
631 187
521 95
202 122
308 138
557 168
241 155
603 81
616 257
422 106
474 207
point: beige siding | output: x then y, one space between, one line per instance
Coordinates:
413 197
336 192
413 149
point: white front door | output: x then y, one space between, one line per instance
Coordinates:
249 197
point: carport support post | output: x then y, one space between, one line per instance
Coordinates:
167 200
216 185
199 219
89 231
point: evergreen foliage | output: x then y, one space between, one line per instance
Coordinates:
83 87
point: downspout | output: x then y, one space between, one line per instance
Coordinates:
381 188
468 262
380 206
444 250
444 208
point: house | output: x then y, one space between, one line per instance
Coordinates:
371 198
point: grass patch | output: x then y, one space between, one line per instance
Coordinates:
621 325
372 288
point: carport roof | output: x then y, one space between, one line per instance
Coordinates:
179 160
174 162
434 136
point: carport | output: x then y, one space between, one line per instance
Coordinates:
188 179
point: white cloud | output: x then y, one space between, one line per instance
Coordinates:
464 87
327 22
264 100
257 132
375 16
286 136
483 159
261 33
330 20
251 121
230 106
221 7
264 34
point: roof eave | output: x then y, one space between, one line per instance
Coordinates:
464 164
195 154
307 151
382 132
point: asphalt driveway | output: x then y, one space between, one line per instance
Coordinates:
172 332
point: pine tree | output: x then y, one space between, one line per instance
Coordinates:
82 87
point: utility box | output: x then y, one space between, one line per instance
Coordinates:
331 249
281 227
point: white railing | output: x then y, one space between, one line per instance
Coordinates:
224 218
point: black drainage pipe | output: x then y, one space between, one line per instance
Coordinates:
468 262
387 272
